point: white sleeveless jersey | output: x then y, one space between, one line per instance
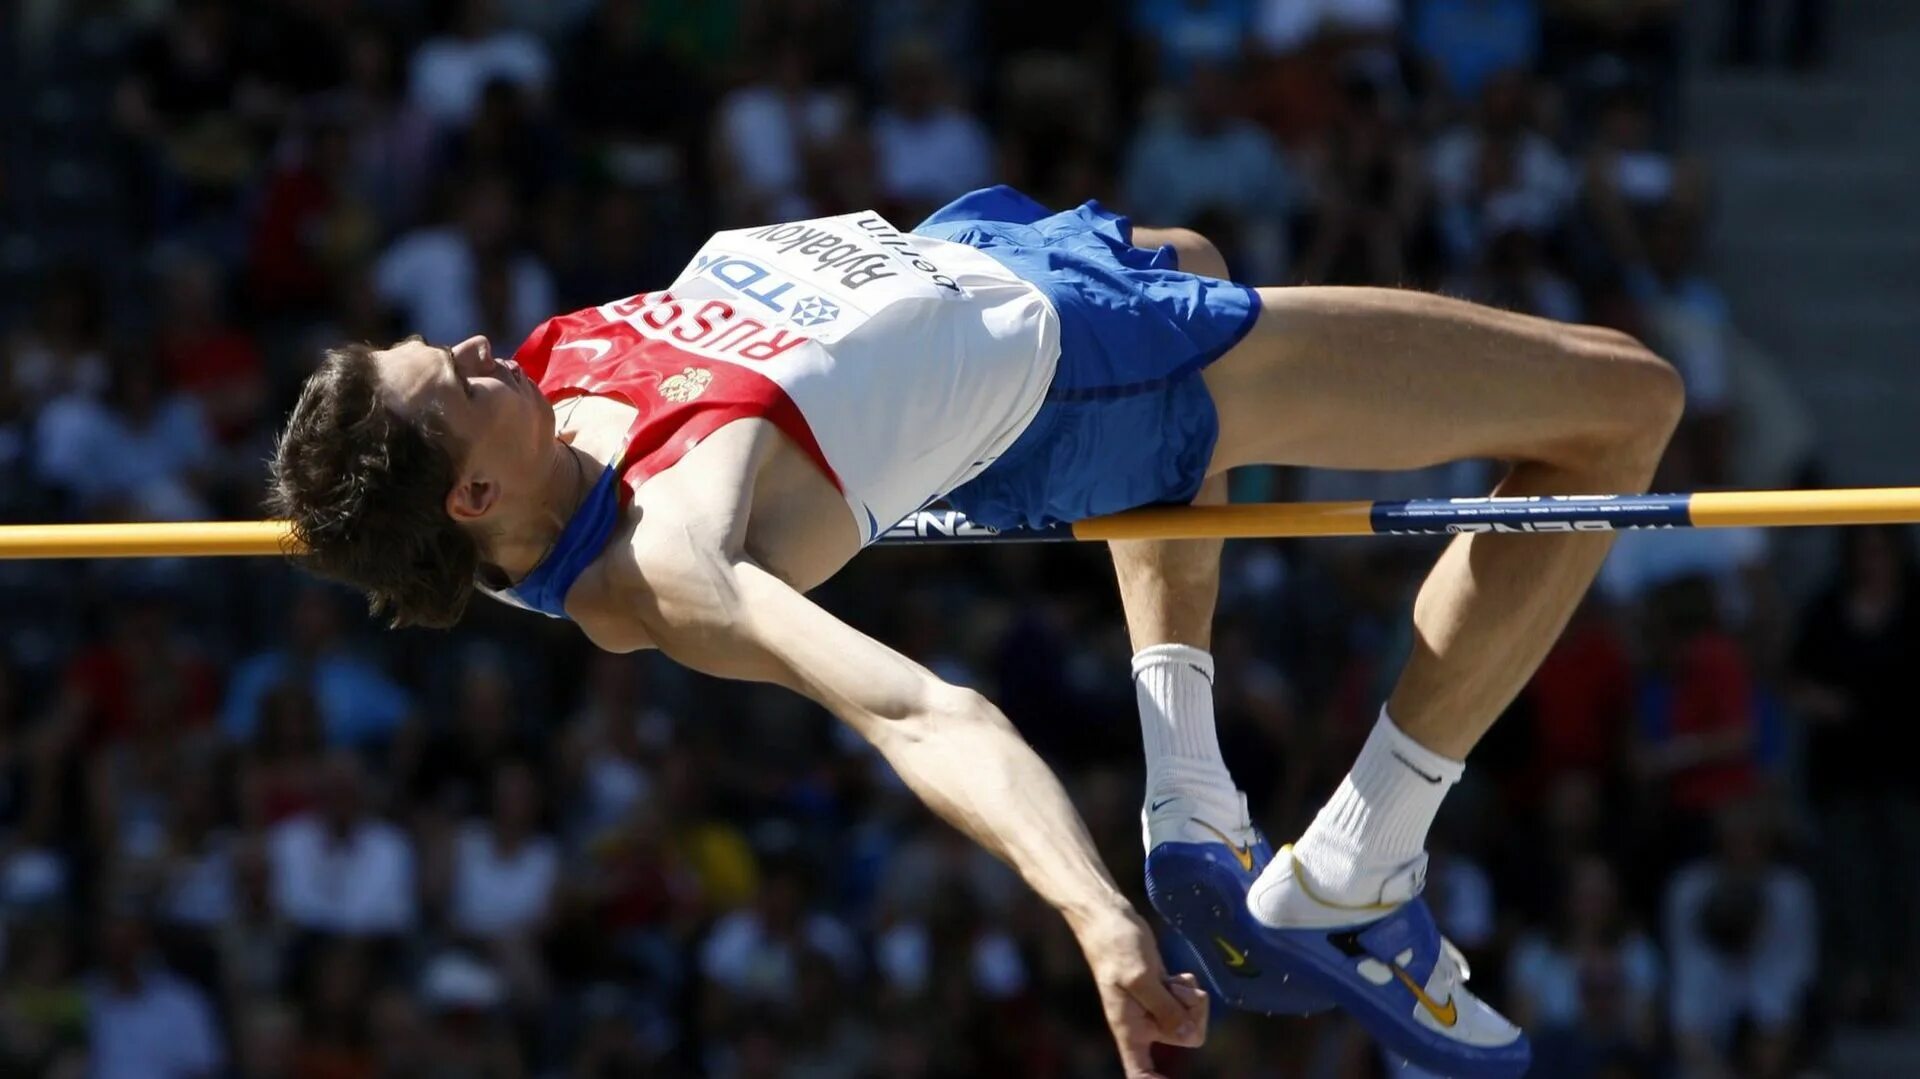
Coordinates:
914 362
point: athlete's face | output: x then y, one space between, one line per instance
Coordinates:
500 424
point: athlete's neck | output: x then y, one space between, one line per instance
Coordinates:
521 544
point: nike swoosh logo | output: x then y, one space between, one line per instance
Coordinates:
1414 768
599 345
1445 1014
1235 959
1244 855
1155 808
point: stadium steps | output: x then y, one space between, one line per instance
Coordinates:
1875 1055
1817 244
1817 229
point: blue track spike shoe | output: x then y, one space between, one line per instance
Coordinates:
1389 967
1199 867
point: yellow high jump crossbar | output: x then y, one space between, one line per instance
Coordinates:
1440 516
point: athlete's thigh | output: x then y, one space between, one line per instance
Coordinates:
1196 253
1390 379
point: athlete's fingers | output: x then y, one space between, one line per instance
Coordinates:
1178 1023
1186 990
1134 1035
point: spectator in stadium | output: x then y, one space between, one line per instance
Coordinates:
159 440
471 273
280 764
339 869
449 73
313 221
1852 664
1551 974
391 143
335 994
505 869
359 705
1692 320
928 147
1743 935
146 672
195 885
190 100
203 353
754 955
62 348
1630 176
1468 42
44 1014
1204 159
1369 192
1180 36
144 1021
1698 712
1500 173
773 133
1513 270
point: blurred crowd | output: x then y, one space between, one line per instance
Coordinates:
245 833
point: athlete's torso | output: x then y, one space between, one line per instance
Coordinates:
899 366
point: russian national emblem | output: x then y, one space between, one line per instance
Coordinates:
686 385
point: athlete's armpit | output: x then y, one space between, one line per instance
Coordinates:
735 619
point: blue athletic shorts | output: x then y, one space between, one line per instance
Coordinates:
1127 421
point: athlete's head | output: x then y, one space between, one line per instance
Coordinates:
400 465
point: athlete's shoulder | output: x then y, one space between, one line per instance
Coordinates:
649 583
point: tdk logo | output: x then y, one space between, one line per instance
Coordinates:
750 279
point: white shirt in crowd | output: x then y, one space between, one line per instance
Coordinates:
450 73
741 957
498 894
76 433
199 891
933 158
1711 990
765 132
362 884
165 1030
904 955
1543 971
432 277
1285 25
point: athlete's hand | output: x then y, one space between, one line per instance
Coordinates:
1143 1003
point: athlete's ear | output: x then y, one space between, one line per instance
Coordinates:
472 496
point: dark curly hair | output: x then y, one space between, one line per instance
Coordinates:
365 491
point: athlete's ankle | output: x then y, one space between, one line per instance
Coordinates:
1374 828
1210 788
1173 685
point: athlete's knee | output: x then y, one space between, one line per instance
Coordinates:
1639 392
1197 254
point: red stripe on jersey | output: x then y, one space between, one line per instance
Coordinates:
680 397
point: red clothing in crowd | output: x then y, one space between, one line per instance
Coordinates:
1582 699
1713 693
123 694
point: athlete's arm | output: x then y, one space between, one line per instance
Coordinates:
727 616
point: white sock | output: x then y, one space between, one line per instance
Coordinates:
1377 821
1174 685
